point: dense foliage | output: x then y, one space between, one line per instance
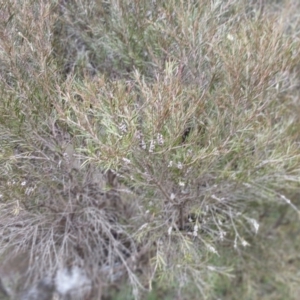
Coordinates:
155 144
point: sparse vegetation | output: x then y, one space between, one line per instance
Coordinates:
151 147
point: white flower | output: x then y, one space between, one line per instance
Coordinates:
195 232
190 152
230 37
29 190
245 243
212 249
143 144
138 135
170 164
181 183
160 139
152 146
67 157
126 160
222 234
123 127
170 230
179 165
23 183
235 244
254 224
172 196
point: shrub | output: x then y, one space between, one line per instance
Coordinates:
147 142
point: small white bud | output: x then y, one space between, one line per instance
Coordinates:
222 234
179 165
212 249
245 243
123 127
160 139
126 160
254 224
143 145
152 146
230 37
235 244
